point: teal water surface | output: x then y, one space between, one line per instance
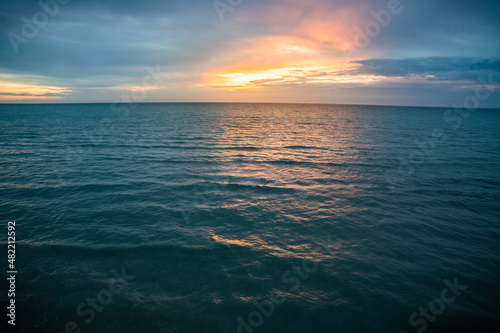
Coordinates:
251 218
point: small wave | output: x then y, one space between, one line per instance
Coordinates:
93 248
306 147
251 148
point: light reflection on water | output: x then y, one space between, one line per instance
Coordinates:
208 205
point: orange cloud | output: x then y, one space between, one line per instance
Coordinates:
303 43
15 91
245 79
279 60
328 26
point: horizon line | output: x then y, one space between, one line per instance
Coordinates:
300 103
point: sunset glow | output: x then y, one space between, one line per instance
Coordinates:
325 51
259 79
12 91
250 166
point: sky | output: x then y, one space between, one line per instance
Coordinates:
384 52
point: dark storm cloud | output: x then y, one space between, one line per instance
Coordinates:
442 68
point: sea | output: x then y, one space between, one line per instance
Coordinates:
242 218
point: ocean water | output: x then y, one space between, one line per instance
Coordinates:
251 218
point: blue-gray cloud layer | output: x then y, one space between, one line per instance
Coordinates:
437 68
97 43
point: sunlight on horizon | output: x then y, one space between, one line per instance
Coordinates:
12 91
255 79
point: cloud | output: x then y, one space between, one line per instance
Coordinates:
97 48
436 68
11 91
